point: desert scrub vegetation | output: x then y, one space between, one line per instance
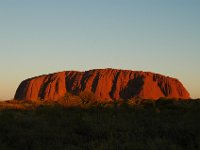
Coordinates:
88 97
53 126
69 100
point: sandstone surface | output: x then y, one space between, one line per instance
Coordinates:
106 84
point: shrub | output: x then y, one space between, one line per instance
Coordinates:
88 97
165 101
148 103
135 101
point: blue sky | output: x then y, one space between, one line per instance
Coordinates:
45 36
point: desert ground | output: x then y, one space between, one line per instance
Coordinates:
133 124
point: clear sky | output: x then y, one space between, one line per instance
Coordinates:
45 36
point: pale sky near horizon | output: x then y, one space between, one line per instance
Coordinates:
44 36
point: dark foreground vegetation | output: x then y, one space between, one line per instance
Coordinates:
149 125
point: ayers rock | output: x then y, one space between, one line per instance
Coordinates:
106 84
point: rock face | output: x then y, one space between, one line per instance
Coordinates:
106 84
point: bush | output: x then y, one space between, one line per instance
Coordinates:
135 101
166 103
88 97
